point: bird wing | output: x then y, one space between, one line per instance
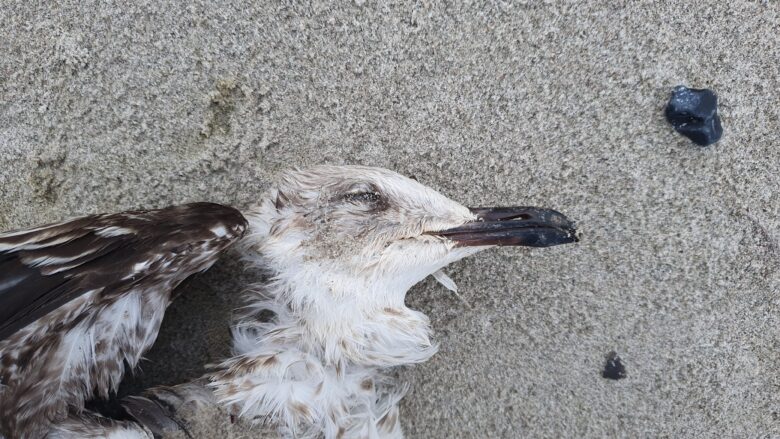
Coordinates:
45 267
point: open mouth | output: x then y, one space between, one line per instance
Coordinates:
521 226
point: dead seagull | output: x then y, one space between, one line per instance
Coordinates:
83 299
344 245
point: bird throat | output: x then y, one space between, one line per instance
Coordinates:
320 365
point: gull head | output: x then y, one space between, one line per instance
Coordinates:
364 234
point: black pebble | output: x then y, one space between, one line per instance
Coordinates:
694 114
614 369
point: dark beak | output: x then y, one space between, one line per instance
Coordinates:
526 226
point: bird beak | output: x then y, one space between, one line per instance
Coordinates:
524 226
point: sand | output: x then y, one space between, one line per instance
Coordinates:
106 106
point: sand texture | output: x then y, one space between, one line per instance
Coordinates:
106 106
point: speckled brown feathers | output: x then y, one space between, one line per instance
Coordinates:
80 298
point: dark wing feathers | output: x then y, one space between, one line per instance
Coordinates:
155 415
45 267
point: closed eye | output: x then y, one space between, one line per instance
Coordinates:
362 197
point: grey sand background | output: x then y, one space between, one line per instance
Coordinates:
106 106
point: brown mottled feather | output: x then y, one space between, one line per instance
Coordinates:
80 298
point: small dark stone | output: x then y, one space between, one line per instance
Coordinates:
694 114
614 368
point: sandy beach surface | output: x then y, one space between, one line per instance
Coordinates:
106 106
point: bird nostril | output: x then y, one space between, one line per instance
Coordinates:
493 214
522 216
519 216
